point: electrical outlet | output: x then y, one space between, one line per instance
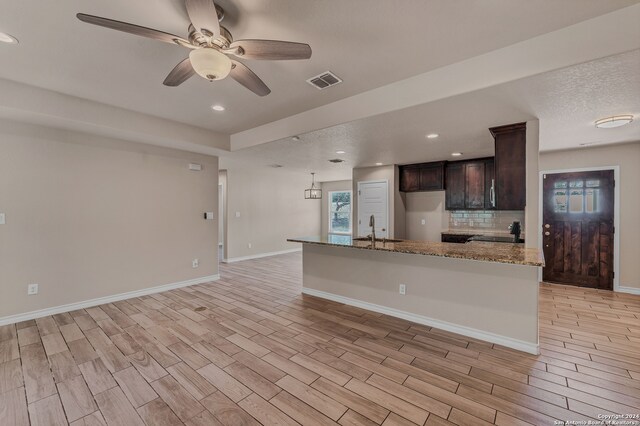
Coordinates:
32 289
249 245
2 219
423 222
402 289
195 263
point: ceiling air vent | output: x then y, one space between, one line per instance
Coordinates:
276 166
337 160
324 80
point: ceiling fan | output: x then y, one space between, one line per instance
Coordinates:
211 46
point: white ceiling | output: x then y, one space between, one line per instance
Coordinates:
566 102
367 43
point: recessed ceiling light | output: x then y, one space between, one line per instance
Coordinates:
340 152
8 38
614 121
456 154
218 108
378 164
432 135
295 138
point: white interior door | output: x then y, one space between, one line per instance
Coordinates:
373 199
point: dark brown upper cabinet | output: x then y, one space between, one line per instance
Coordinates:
455 183
422 177
468 184
510 166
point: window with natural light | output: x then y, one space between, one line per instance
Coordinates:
340 212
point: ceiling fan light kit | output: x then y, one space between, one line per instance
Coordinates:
210 63
211 45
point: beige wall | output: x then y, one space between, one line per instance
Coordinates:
531 233
272 208
396 198
428 206
88 217
484 299
627 156
338 185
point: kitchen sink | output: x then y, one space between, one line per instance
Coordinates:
388 240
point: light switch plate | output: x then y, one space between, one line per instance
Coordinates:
424 221
2 219
208 215
237 214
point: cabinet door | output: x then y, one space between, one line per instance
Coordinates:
510 166
409 179
474 185
489 185
455 186
432 177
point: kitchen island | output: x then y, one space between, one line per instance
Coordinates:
488 291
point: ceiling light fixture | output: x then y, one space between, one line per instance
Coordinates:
432 135
340 152
295 138
313 193
210 63
378 164
456 154
614 121
8 38
218 108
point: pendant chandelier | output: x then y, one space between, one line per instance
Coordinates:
313 193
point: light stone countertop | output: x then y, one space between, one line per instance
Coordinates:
515 254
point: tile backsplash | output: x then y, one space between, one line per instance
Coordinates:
485 220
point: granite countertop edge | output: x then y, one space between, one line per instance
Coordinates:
429 249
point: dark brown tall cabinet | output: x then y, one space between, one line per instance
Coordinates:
510 166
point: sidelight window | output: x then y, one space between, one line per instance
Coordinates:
340 212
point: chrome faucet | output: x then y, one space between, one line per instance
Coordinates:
372 224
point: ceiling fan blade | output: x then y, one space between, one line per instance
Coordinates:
181 73
269 49
204 16
133 29
243 75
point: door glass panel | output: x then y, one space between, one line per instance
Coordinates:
560 184
576 184
592 196
560 200
593 183
576 200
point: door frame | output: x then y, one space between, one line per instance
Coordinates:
386 182
616 214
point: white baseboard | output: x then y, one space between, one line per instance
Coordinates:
432 322
261 255
11 319
630 290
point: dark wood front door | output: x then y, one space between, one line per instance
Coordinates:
577 231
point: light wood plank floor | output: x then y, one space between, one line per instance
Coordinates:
250 349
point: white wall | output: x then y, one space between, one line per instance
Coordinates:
338 185
89 217
430 207
627 156
272 208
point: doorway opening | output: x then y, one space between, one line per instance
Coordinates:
579 214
